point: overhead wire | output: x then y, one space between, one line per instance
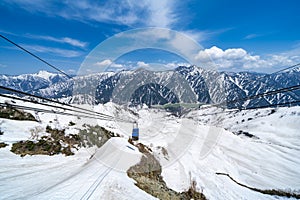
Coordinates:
101 118
54 112
242 99
265 93
296 87
284 69
121 120
272 105
48 105
61 103
250 108
37 57
52 66
287 89
111 118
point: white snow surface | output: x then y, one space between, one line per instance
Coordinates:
198 146
45 75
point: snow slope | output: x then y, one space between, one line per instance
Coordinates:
89 174
196 145
203 145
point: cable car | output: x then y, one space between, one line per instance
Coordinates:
135 131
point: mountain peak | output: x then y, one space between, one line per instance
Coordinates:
45 74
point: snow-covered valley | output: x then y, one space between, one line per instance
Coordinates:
259 148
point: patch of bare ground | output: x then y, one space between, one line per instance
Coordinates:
147 174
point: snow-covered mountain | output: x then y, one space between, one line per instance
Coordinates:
184 84
78 89
31 82
228 87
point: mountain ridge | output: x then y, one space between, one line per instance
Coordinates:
185 84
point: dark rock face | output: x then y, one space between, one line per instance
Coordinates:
153 94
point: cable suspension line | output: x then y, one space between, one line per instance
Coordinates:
37 57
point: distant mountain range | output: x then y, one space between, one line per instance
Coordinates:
182 85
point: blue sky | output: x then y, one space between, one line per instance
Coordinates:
236 35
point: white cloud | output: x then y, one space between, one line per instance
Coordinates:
147 35
174 65
56 51
239 59
66 40
108 64
203 35
129 65
130 12
71 71
7 32
119 66
161 39
72 42
142 64
251 36
171 65
196 35
161 13
103 63
255 35
3 66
